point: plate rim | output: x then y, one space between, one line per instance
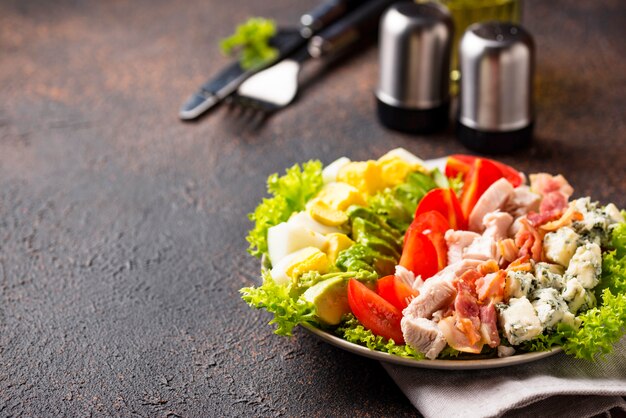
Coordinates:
491 363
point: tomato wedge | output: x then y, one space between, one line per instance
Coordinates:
374 312
434 226
396 292
462 163
482 175
419 254
445 202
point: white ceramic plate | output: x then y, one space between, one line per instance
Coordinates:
490 363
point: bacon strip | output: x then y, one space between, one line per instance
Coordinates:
570 215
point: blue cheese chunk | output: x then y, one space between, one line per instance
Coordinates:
586 265
559 246
549 275
551 308
519 320
519 284
574 295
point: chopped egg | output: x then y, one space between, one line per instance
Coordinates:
297 263
329 173
405 155
336 244
366 176
321 212
286 238
340 196
304 220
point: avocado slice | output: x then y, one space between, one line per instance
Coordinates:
330 298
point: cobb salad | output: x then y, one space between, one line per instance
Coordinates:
467 257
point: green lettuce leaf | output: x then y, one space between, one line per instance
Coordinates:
351 330
397 205
290 194
288 312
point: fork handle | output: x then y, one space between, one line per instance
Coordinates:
356 25
325 14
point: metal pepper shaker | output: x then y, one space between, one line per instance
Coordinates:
496 93
415 43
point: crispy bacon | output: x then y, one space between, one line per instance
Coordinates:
553 202
537 219
570 215
521 264
529 241
488 326
489 266
544 183
507 251
491 287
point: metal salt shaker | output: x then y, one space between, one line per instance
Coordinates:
496 93
413 93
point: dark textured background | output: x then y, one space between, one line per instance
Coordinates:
122 229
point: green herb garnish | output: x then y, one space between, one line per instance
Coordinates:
250 42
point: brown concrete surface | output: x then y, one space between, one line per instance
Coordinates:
122 229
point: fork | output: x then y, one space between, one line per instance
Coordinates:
277 86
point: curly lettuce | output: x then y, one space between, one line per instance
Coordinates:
290 193
276 299
351 330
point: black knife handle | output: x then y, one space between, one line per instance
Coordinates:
356 25
325 14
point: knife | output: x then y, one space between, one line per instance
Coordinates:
275 87
286 41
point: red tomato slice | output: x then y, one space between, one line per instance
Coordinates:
434 226
482 175
445 202
374 312
419 254
459 163
396 292
462 163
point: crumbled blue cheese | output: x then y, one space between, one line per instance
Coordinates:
559 246
519 284
549 275
586 265
574 295
519 320
613 213
551 308
597 221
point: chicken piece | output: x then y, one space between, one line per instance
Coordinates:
434 295
457 241
516 226
488 325
493 199
423 335
452 271
482 248
522 201
497 225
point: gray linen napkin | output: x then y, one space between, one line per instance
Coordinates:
558 386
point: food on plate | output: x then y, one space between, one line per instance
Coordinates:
470 259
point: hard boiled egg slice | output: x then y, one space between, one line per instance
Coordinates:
286 238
